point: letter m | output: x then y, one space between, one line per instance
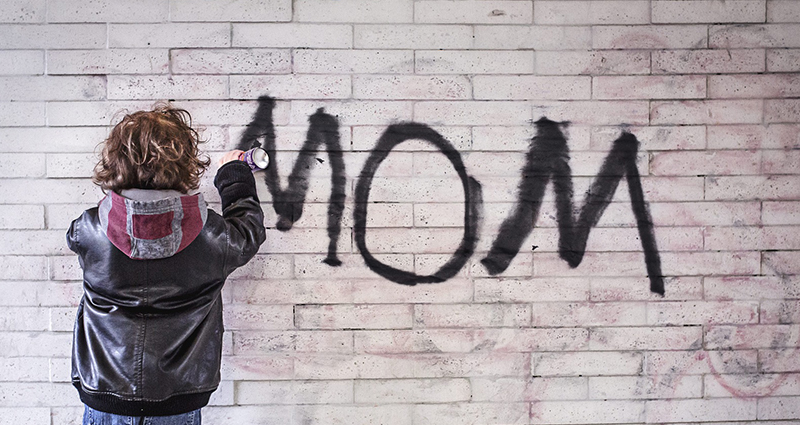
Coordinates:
548 160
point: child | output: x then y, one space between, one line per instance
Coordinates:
148 333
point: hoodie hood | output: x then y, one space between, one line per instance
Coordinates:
152 224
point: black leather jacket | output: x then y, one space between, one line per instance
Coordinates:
148 333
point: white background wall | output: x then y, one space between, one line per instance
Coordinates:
710 88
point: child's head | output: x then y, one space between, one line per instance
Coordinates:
151 150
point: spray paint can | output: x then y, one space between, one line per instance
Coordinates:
256 158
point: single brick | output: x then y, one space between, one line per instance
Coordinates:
588 314
649 87
29 165
783 60
708 162
651 338
109 61
354 11
750 36
504 412
586 363
411 87
292 35
240 10
294 392
52 88
529 389
716 61
53 36
389 391
754 86
108 11
531 87
641 387
169 35
23 11
318 61
737 188
699 11
708 112
604 12
649 37
780 213
291 86
169 87
599 62
782 110
353 316
472 315
474 12
594 112
413 37
783 11
516 37
747 337
355 112
473 62
21 62
588 411
696 410
702 313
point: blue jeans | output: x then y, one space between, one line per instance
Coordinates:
96 417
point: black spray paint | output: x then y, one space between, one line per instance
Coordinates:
473 203
548 160
288 204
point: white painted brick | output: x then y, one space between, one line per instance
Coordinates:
532 37
99 113
767 237
581 112
224 395
291 86
599 62
778 360
365 138
23 268
292 35
754 86
70 164
653 338
110 61
65 268
21 62
782 110
36 344
531 87
294 392
256 367
650 37
411 87
75 139
752 336
752 187
230 10
17 242
708 61
356 11
24 415
107 11
353 317
59 216
415 341
62 319
230 61
636 289
783 11
316 61
167 35
30 319
780 213
783 60
167 87
588 314
311 266
254 342
53 36
18 191
25 369
695 362
19 11
413 37
41 293
378 291
750 36
531 290
698 11
586 364
393 391
22 165
52 88
708 112
641 387
21 216
702 313
354 414
708 162
473 62
775 136
232 112
571 412
17 114
255 317
748 288
595 12
708 263
356 112
780 263
473 113
477 413
697 410
653 138
649 87
472 315
753 385
529 389
474 12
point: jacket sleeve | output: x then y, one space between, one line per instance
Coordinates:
241 209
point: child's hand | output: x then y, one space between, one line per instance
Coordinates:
229 156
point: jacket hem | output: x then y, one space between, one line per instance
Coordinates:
112 403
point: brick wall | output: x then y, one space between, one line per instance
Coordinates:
710 89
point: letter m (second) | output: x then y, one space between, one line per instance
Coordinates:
548 160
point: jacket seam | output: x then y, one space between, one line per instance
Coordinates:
135 398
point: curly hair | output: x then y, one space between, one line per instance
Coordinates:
155 149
